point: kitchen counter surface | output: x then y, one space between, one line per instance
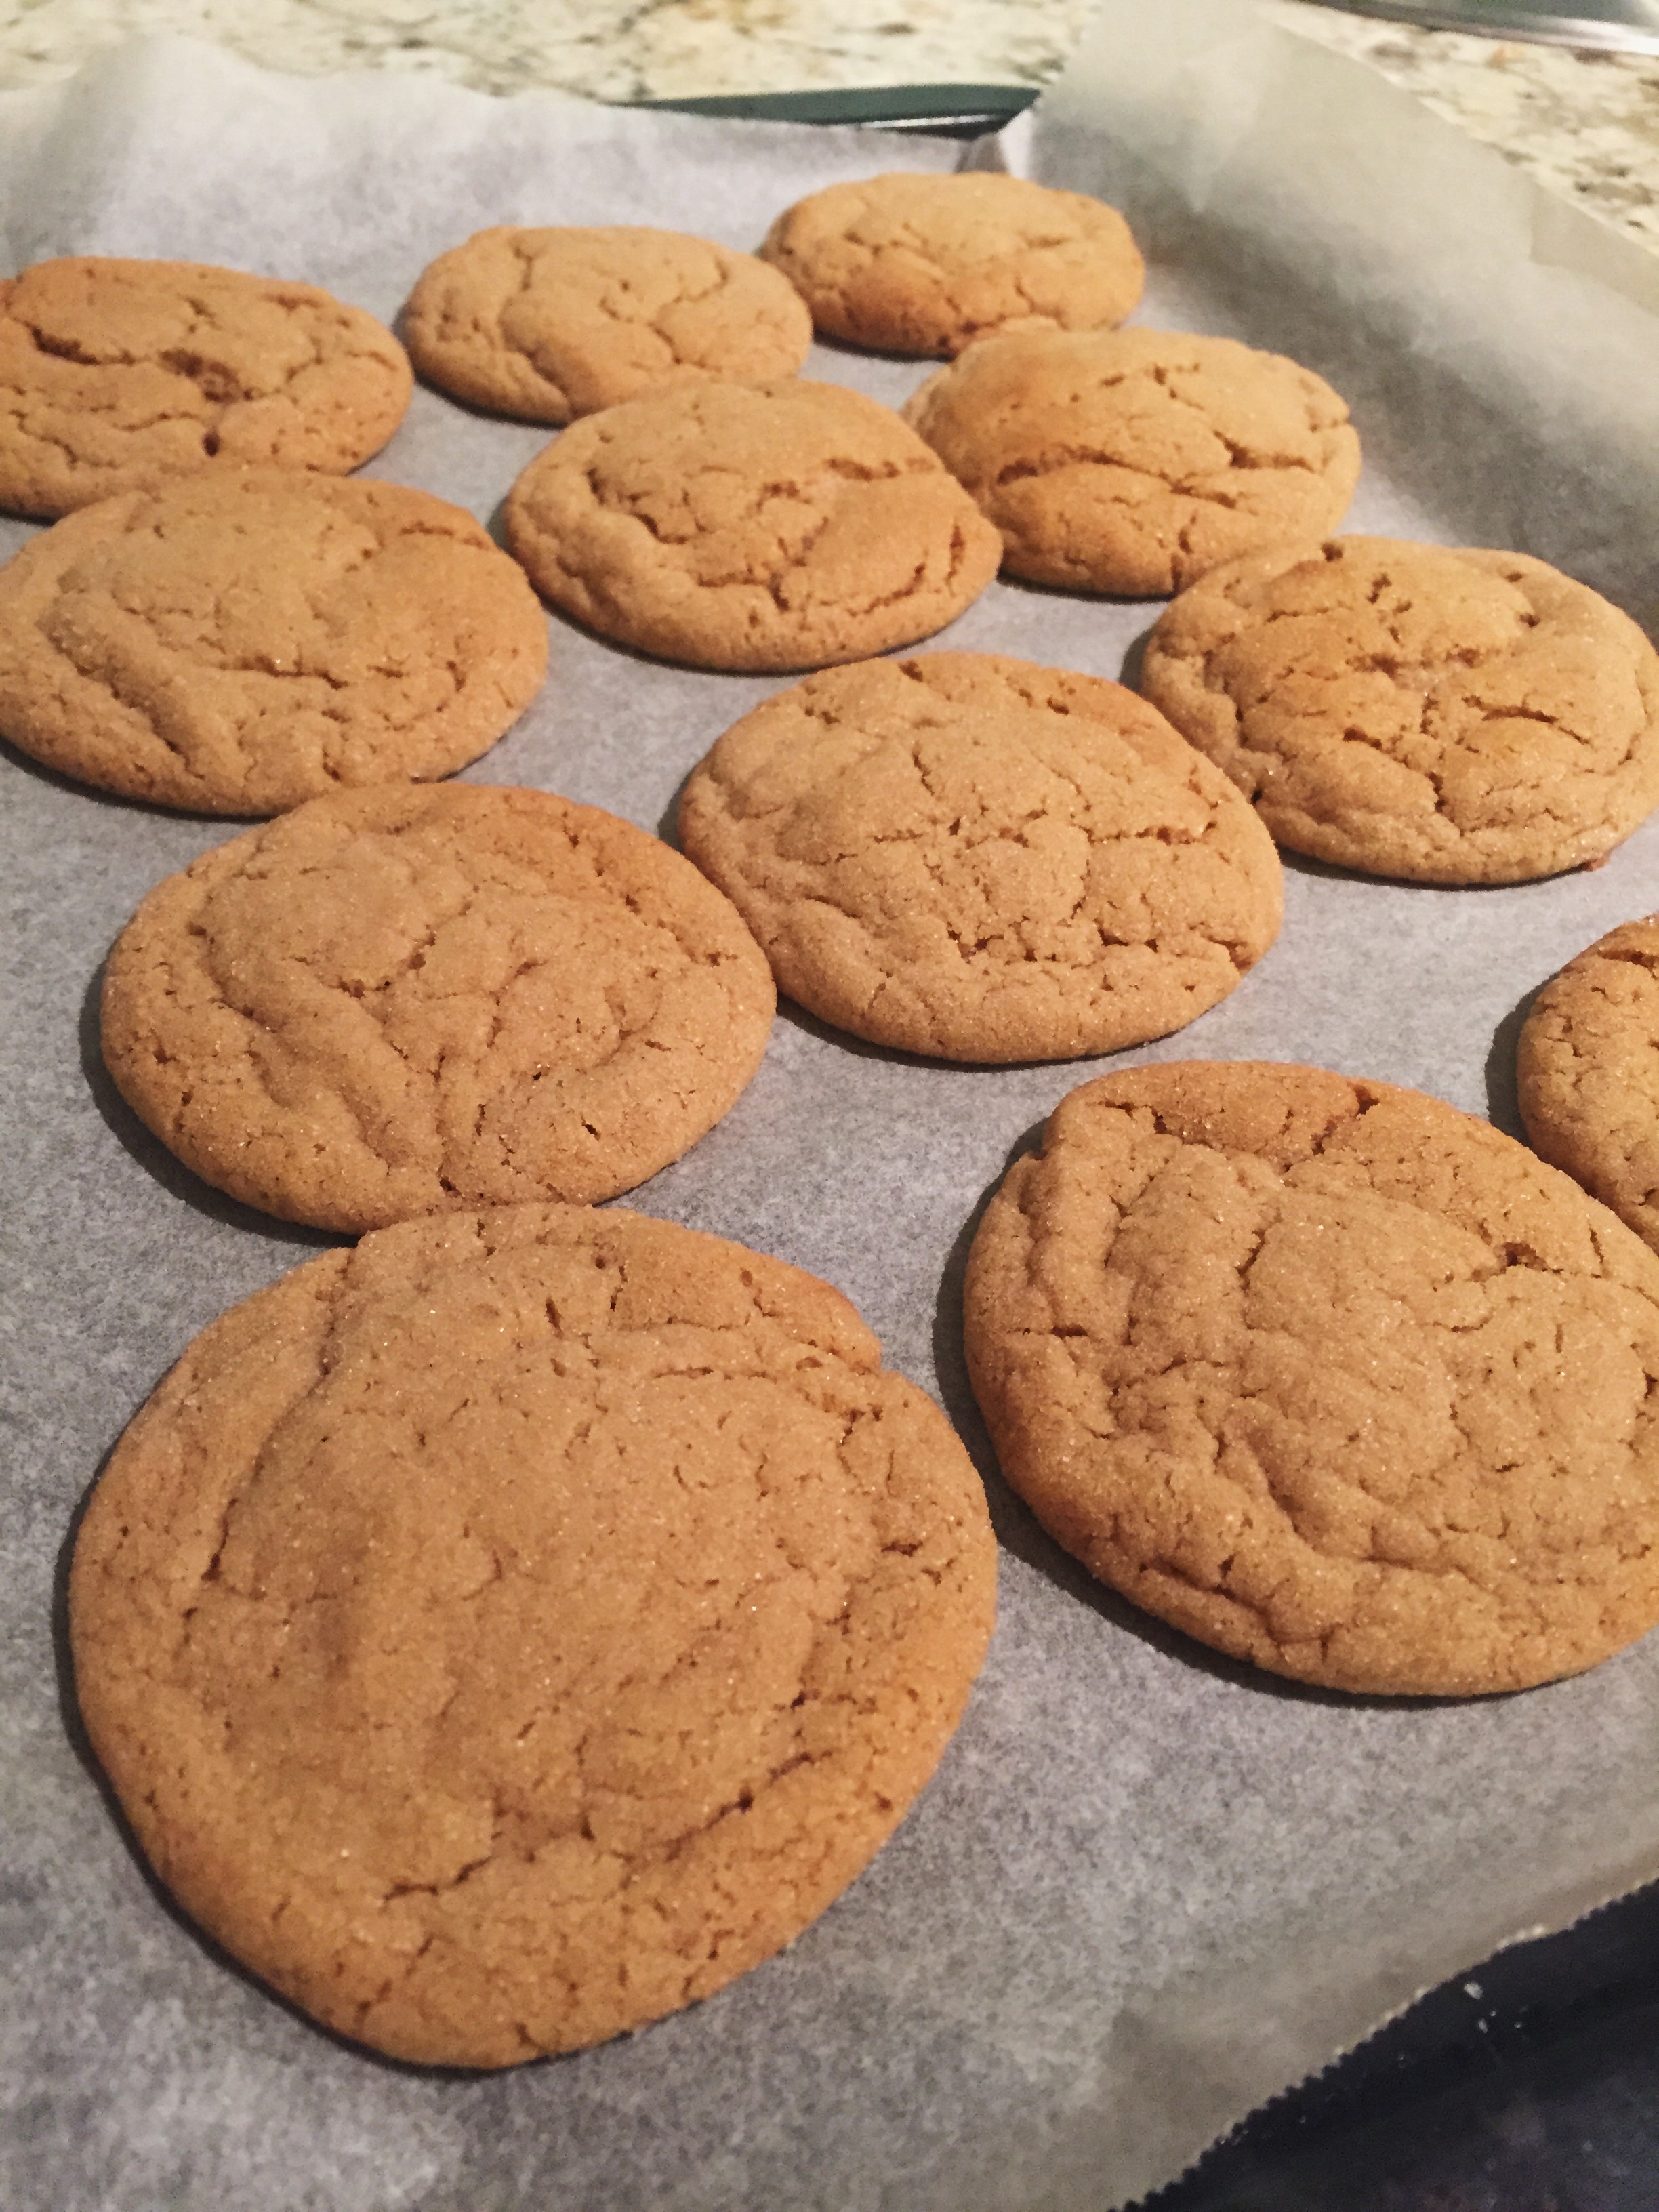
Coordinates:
1586 125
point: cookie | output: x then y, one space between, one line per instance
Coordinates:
509 1631
418 999
1131 461
1452 716
921 264
116 375
1587 1070
780 527
240 641
1332 1377
974 858
548 325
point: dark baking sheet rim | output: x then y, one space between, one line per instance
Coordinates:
948 111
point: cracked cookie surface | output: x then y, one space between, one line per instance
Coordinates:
116 375
548 325
921 264
1132 461
1588 1072
411 1000
780 527
1448 715
235 643
983 859
1332 1377
507 1632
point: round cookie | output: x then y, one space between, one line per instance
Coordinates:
1588 1072
509 1631
1131 461
547 325
780 527
921 264
981 859
1452 716
1332 1377
238 641
116 375
416 999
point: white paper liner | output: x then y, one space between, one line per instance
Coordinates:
1148 1889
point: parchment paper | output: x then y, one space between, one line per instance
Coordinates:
1147 1888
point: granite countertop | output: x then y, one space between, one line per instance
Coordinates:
1586 125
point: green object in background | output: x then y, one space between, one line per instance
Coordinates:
954 111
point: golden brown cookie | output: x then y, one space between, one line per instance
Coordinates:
982 860
1450 716
1331 1376
924 264
419 999
784 526
240 641
551 323
116 375
1588 1070
510 1630
1131 461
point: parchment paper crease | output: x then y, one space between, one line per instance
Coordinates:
1147 1889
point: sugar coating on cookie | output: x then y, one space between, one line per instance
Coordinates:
509 1631
786 526
238 641
1588 1072
1450 715
116 375
980 859
1132 461
921 264
1334 1378
548 324
417 1000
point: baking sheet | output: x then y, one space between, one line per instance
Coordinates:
1147 1888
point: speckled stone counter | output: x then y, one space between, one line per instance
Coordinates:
1586 125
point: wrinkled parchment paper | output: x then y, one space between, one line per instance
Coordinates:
1147 1888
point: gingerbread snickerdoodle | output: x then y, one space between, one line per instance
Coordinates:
779 527
116 375
416 999
507 1632
973 857
927 265
1588 1072
240 641
1131 461
1449 716
551 323
1334 1378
